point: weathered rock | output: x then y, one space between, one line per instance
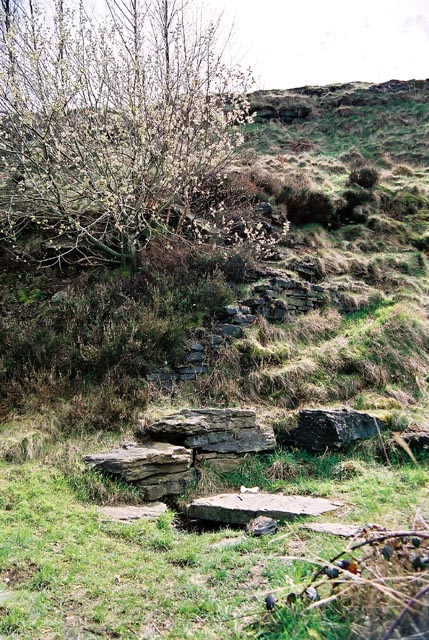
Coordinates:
157 487
139 463
231 330
221 462
195 356
192 422
233 508
335 529
213 430
319 429
129 513
262 526
158 468
244 441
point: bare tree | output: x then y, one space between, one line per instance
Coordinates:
116 126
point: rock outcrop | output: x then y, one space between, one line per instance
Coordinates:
321 429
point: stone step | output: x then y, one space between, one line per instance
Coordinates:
138 463
239 509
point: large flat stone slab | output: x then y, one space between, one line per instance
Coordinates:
129 513
191 422
221 431
233 508
135 464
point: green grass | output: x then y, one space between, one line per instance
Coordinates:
72 384
72 573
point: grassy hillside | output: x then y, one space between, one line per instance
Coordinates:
76 346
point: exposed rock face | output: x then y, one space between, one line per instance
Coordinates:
233 508
159 468
319 429
223 431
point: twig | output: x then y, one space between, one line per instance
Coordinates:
404 612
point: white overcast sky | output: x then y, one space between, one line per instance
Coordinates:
290 43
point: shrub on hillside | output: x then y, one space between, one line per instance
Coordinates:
306 205
113 326
366 177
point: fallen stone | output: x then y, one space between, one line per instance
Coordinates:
230 310
129 513
336 529
233 508
197 346
262 526
215 341
195 356
321 429
137 464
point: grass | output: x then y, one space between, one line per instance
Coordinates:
72 366
72 573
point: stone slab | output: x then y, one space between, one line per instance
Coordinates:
138 463
157 487
243 441
128 513
233 508
191 422
334 528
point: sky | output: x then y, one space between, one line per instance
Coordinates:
290 43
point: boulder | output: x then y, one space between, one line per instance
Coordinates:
158 468
239 509
320 429
262 526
